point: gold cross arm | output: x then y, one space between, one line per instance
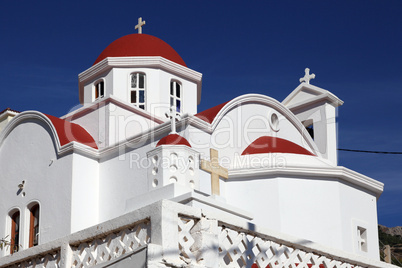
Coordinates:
216 171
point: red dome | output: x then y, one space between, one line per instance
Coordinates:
133 45
267 144
173 139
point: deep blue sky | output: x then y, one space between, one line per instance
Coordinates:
353 47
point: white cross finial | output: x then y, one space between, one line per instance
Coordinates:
139 25
173 115
307 77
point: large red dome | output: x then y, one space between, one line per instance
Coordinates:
133 45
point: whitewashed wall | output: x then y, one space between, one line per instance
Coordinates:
122 176
29 153
85 192
322 210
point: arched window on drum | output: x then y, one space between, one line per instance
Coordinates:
176 95
138 90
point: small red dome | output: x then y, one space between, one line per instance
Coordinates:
173 139
133 45
267 144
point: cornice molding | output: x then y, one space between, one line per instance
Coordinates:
33 115
132 142
137 62
116 101
7 113
150 62
322 95
329 98
215 203
339 172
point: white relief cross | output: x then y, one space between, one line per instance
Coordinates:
360 239
307 77
139 25
173 115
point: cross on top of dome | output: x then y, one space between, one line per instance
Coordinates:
139 25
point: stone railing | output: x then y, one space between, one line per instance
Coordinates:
167 234
110 246
213 243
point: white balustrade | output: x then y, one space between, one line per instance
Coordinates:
111 246
46 261
176 235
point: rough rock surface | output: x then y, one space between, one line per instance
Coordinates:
397 230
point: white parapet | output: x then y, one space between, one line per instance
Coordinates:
168 234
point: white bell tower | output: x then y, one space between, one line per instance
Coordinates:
317 110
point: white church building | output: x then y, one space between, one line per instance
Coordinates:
138 177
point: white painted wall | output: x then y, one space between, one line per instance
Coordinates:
122 176
323 116
123 124
85 192
359 208
28 153
112 123
317 209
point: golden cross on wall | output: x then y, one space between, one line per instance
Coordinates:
215 169
139 25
